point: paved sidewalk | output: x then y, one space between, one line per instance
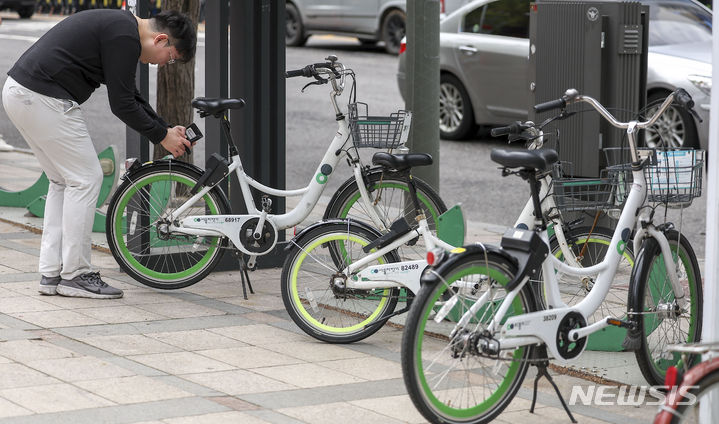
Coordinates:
206 355
202 355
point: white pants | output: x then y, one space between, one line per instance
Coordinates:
56 132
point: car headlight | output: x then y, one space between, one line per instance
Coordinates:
702 82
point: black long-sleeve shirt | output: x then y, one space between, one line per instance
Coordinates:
85 50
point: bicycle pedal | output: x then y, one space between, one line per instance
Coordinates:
631 325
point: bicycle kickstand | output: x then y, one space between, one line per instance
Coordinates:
541 362
244 276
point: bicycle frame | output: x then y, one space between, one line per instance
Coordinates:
399 274
541 326
230 225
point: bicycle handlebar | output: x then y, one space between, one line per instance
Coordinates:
550 105
314 70
571 96
514 128
304 72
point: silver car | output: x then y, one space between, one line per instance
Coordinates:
368 20
492 91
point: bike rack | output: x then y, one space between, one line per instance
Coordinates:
33 197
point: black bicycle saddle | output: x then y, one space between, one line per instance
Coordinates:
540 160
216 106
401 161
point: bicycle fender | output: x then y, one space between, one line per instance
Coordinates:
177 164
302 234
180 164
432 274
632 341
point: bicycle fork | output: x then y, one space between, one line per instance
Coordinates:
650 230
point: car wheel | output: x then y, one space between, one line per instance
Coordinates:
456 118
294 32
393 30
26 12
674 129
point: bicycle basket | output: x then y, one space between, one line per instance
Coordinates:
379 132
586 194
674 177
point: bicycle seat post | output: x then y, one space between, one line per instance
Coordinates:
228 133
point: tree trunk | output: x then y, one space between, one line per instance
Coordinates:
176 82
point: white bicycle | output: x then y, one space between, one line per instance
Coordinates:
465 352
169 222
342 280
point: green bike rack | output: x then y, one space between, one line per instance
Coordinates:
20 199
36 203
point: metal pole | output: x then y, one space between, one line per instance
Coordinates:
709 411
423 83
257 59
137 145
217 85
216 72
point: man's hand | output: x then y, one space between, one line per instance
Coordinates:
175 141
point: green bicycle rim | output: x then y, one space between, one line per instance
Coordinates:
136 265
421 198
298 303
559 255
509 377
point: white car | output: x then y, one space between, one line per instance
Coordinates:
492 91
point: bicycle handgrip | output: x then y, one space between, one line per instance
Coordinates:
514 128
295 73
550 105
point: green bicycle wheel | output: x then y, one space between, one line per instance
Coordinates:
448 380
662 321
136 227
314 288
390 193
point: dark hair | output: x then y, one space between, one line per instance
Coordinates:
181 30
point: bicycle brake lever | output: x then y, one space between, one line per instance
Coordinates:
312 83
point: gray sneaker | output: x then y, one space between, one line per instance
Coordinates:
48 285
88 285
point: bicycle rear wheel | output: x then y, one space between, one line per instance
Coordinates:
446 378
136 225
311 289
390 192
662 322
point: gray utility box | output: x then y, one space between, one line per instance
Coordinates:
599 48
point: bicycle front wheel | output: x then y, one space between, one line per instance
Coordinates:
137 227
446 378
389 194
662 321
314 288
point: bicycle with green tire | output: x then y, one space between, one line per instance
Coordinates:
169 222
466 352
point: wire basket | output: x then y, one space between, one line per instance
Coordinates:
379 132
586 194
674 177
